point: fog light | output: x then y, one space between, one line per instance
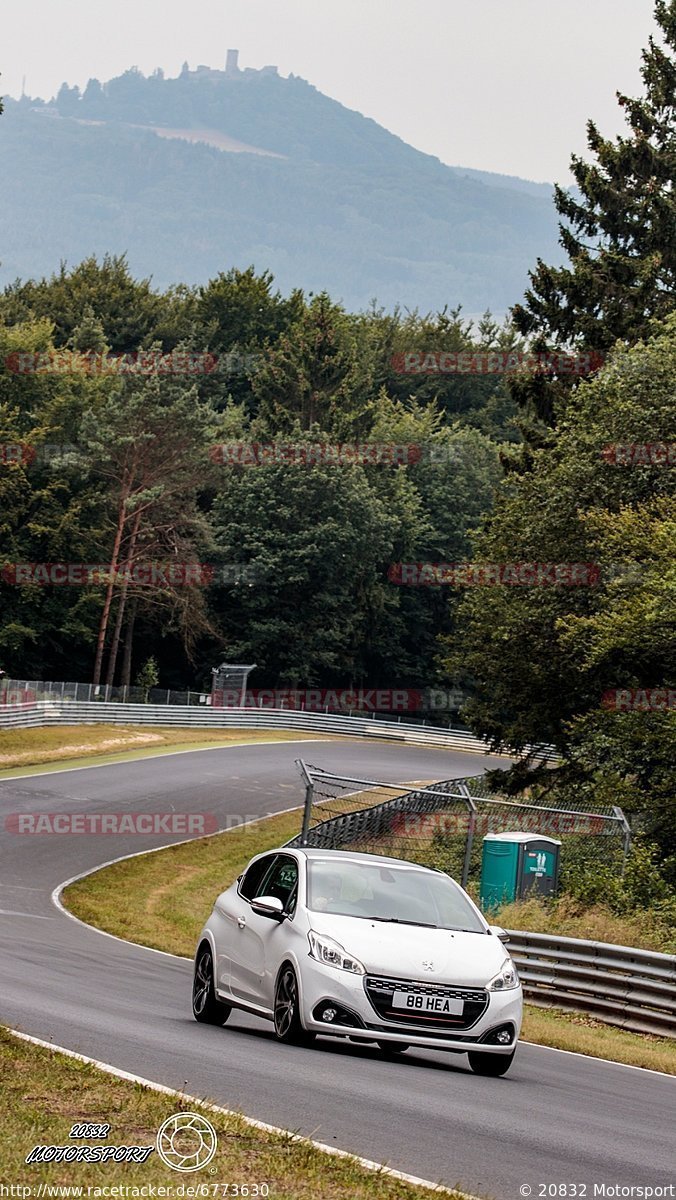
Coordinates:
504 1037
329 1014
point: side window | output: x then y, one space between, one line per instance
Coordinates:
281 881
250 881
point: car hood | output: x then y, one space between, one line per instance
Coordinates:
401 950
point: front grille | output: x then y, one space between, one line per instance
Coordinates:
380 992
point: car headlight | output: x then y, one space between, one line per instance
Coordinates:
332 954
506 978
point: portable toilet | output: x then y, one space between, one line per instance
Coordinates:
516 865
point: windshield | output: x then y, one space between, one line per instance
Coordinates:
390 893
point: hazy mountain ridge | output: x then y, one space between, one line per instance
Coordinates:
349 207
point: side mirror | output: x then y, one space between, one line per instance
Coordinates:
499 932
268 906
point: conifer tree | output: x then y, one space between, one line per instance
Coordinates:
619 232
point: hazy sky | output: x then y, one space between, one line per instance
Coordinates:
504 85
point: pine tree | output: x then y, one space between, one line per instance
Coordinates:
620 235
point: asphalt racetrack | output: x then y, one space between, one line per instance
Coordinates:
554 1119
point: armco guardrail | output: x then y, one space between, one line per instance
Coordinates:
76 712
635 989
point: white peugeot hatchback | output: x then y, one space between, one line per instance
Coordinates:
360 946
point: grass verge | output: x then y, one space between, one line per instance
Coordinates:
584 1035
45 1093
133 900
20 748
567 917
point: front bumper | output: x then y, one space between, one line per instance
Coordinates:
362 1013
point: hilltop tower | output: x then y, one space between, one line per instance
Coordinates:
231 64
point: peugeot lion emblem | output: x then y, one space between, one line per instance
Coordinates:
428 965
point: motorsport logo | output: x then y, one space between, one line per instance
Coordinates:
186 1141
89 1153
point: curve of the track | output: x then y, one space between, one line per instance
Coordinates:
555 1118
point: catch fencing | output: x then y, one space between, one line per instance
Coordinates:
442 824
15 692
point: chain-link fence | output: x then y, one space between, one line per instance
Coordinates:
14 692
442 824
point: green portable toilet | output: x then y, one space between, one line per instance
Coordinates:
516 865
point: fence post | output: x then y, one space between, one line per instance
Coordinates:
463 789
309 796
626 836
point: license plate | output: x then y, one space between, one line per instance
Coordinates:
423 1002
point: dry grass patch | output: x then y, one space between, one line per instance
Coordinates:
33 747
17 758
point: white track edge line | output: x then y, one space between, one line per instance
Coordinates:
229 1112
61 887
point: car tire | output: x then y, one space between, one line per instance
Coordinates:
206 1007
393 1047
490 1064
288 1025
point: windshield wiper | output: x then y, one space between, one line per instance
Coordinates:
400 921
457 929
